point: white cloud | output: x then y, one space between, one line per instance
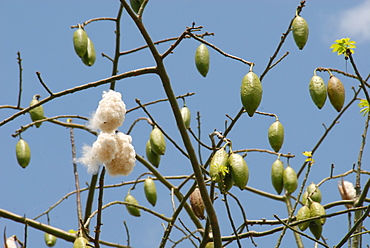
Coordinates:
354 22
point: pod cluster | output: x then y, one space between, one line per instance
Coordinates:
84 47
283 178
228 170
155 147
334 90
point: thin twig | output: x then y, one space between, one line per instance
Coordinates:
100 209
232 221
43 84
20 79
118 42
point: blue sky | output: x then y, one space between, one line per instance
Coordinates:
41 31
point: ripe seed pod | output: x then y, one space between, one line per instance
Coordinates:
318 91
277 171
300 31
90 55
347 191
157 141
197 204
304 198
316 209
80 242
50 239
226 184
150 191
302 214
336 93
136 4
316 196
219 165
202 59
80 41
276 135
251 92
290 180
153 157
239 170
316 229
186 116
38 112
134 211
23 153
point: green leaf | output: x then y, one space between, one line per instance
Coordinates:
341 46
364 104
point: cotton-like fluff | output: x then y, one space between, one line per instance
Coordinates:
347 191
102 151
110 113
124 161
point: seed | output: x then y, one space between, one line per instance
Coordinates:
23 153
316 209
239 170
302 214
134 211
202 59
152 157
90 55
336 93
318 91
290 179
157 141
276 135
80 41
300 31
316 196
197 204
50 239
316 229
186 116
219 165
38 112
277 171
251 92
150 191
80 242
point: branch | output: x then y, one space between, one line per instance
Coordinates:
133 73
20 79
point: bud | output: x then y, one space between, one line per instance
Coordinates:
197 204
347 191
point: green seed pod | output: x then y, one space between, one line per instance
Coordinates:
80 242
202 59
302 214
157 141
251 92
239 170
80 41
210 245
136 4
316 196
276 135
226 184
300 31
316 229
38 112
336 93
277 172
290 180
219 165
23 153
304 199
186 116
316 209
153 157
197 204
134 211
90 55
150 191
318 91
50 239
